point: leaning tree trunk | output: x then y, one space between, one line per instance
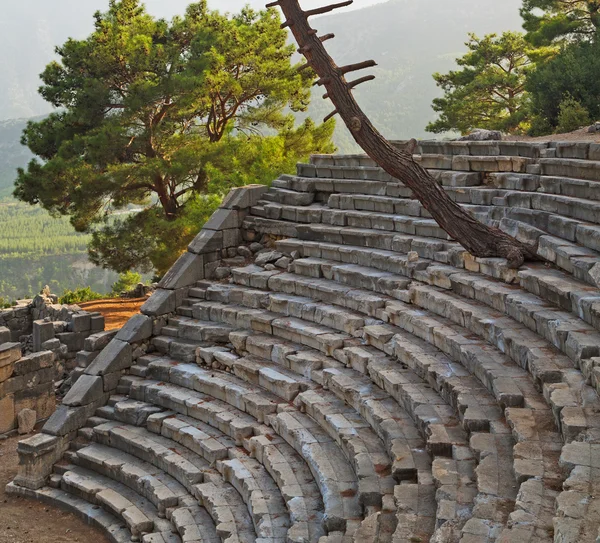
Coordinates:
479 239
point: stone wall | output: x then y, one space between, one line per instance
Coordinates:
39 344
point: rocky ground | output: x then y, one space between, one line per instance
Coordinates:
28 521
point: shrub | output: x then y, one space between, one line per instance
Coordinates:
80 295
571 115
126 282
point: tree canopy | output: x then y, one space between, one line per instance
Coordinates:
158 115
571 75
547 21
489 89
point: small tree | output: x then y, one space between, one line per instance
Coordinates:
489 89
547 21
127 281
571 115
153 114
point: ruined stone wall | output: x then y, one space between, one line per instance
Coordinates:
39 342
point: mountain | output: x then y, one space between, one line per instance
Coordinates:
410 41
12 153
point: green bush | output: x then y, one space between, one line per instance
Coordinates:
126 282
80 295
4 303
571 115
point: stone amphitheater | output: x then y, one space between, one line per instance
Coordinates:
325 365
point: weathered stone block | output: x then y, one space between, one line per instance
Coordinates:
99 340
9 353
26 420
34 362
87 389
244 197
114 357
81 322
37 455
137 328
73 340
188 269
206 241
4 335
7 414
163 301
97 323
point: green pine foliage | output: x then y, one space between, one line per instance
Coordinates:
159 114
548 21
488 90
127 280
79 296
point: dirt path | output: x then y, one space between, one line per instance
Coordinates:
116 311
28 521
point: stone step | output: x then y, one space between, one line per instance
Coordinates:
385 416
361 446
323 186
496 484
228 511
139 515
260 494
455 493
181 429
188 468
338 508
289 197
145 479
110 525
564 186
563 387
189 434
572 167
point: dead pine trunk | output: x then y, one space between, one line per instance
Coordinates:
479 239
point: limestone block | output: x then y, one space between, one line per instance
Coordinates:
99 340
42 332
37 455
40 398
81 322
137 328
4 335
244 197
9 353
188 269
69 419
223 219
117 355
570 149
97 323
87 389
7 413
206 241
73 340
160 303
594 151
34 362
26 420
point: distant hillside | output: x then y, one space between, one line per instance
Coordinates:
410 41
12 153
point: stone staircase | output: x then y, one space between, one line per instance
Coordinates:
358 376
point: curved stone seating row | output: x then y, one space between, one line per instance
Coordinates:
218 290
273 276
225 415
221 293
